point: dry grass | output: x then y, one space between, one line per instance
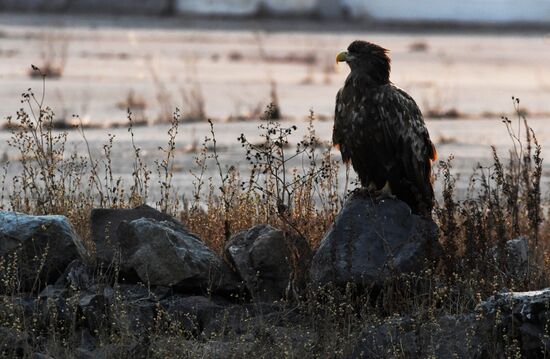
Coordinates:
294 188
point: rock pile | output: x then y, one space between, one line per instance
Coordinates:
160 276
145 262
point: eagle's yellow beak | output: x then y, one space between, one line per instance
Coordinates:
341 57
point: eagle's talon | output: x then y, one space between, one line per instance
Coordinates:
384 193
383 196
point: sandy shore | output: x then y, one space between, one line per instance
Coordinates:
158 64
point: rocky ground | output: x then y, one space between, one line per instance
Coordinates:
146 287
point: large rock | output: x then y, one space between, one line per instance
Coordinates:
521 317
505 323
163 253
370 242
42 246
104 226
262 258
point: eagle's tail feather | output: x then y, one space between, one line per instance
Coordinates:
433 156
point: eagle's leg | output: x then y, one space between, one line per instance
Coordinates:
384 193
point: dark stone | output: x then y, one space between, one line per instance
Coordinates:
163 253
54 309
193 313
140 316
371 242
211 349
133 349
133 292
521 317
13 343
77 276
262 258
83 353
445 337
94 311
53 291
240 319
22 307
42 245
104 226
85 339
503 322
40 356
139 306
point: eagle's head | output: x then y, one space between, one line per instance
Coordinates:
367 60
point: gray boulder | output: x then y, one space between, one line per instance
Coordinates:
370 242
505 323
523 317
43 247
163 253
104 225
261 257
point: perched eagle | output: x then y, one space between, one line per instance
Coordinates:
380 129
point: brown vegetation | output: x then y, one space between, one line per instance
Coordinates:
504 201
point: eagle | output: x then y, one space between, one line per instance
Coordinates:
380 129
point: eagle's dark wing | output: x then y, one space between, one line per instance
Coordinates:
404 142
338 132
